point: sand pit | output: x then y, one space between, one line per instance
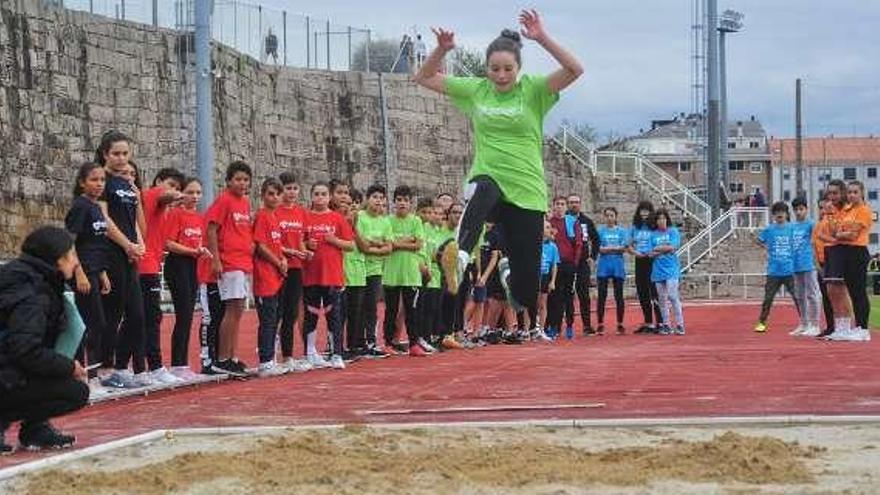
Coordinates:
802 459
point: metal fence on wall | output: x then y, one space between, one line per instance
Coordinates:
266 34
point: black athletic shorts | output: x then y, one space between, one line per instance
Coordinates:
545 283
835 262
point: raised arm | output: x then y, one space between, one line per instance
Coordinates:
429 75
533 29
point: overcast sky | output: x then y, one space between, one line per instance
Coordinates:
637 55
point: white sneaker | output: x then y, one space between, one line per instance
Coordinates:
269 368
317 361
844 335
336 362
798 331
543 337
96 390
163 376
144 379
184 373
811 331
426 346
297 365
859 334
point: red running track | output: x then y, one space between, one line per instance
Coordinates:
720 368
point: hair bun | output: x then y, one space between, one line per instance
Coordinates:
512 35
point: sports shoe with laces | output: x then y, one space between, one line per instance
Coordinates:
450 343
270 369
336 362
297 365
761 327
811 331
374 353
317 361
120 379
679 330
426 346
42 435
799 330
416 350
163 376
228 367
569 333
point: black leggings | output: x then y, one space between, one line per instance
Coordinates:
354 325
151 289
603 296
92 312
523 230
856 277
212 315
647 292
428 307
826 303
180 274
370 318
123 302
582 287
291 297
393 295
331 297
42 398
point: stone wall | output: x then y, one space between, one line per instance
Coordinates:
66 77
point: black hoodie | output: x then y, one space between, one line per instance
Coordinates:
590 237
31 318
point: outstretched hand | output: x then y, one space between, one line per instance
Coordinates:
532 25
445 39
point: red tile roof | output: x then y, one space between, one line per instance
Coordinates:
828 151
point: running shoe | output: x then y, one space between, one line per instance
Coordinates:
620 330
120 379
679 330
228 367
336 362
416 350
96 390
270 369
426 346
511 338
569 333
664 329
400 347
42 435
761 327
317 361
374 353
799 330
297 365
449 343
164 377
811 331
184 373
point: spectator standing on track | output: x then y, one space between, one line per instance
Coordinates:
613 243
270 268
666 272
806 285
569 242
587 264
820 232
641 232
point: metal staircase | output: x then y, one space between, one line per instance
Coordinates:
732 220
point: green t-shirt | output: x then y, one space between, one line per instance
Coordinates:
354 266
508 134
372 228
402 267
434 238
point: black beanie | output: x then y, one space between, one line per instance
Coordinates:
47 243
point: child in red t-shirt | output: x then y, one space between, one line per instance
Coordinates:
292 219
212 310
270 267
184 241
232 246
328 234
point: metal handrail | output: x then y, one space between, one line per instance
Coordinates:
723 227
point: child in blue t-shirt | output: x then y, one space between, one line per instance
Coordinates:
666 271
777 239
806 281
549 264
613 242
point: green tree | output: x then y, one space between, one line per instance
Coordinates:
468 62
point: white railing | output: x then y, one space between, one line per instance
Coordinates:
625 163
723 227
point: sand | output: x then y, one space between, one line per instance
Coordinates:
557 460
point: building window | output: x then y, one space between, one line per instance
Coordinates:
849 173
754 145
872 195
872 172
684 166
736 187
786 195
731 145
786 174
735 166
873 238
756 167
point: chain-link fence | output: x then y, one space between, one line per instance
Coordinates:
269 35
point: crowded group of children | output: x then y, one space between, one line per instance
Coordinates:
823 265
340 257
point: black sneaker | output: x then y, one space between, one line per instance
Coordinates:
374 353
352 355
600 330
400 347
589 331
39 436
643 329
511 338
229 367
620 330
208 369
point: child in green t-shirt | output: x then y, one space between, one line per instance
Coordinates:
401 277
373 227
354 268
431 295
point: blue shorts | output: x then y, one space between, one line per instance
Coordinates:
611 267
478 294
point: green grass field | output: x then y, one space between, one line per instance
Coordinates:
874 318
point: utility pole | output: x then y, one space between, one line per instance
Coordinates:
712 151
204 108
799 141
730 22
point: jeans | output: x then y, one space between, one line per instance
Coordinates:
668 294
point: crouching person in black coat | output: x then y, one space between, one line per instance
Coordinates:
36 382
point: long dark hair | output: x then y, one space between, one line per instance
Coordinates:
507 41
637 217
661 212
81 175
107 141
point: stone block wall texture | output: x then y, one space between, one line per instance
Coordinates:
66 77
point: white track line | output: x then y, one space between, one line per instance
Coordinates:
447 410
729 421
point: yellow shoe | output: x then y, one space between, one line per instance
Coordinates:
761 327
450 343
